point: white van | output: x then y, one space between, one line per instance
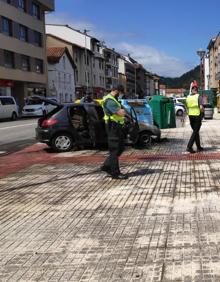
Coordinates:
8 108
35 107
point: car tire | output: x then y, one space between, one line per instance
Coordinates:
144 139
62 142
179 113
14 116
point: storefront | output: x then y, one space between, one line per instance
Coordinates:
6 87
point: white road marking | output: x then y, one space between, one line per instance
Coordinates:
28 124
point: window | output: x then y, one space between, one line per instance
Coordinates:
7 101
35 11
39 66
64 62
23 33
37 39
64 80
8 59
76 57
22 5
6 26
86 59
25 63
77 76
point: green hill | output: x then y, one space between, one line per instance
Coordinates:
183 81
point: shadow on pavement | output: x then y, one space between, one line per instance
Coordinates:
143 171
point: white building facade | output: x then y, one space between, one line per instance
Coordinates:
206 73
61 74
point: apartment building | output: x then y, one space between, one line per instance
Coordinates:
131 77
87 53
98 68
23 68
152 84
122 79
141 80
214 63
111 68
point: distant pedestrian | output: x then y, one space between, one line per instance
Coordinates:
114 119
195 112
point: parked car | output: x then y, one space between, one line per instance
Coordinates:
8 108
80 125
180 109
36 107
181 100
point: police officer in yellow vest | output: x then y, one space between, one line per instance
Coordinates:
114 119
195 110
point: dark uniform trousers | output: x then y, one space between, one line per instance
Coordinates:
195 122
115 145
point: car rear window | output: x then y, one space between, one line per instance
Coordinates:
54 111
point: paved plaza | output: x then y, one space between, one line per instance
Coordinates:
61 219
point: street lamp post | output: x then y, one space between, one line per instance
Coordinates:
201 53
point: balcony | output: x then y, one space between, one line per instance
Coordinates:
98 55
108 74
47 4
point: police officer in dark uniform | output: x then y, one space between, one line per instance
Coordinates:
114 119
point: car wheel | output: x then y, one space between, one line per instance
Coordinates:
144 139
179 113
14 116
62 142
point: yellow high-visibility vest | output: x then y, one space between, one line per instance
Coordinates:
192 102
112 117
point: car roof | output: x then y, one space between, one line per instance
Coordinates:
46 99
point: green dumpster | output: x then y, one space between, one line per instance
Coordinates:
163 111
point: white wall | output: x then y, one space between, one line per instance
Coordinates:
69 35
206 73
61 80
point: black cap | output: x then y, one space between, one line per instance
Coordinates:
120 88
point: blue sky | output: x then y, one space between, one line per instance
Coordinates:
162 35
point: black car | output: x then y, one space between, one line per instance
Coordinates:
80 125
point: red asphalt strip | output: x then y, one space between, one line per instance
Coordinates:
36 154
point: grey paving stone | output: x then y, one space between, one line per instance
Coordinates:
69 222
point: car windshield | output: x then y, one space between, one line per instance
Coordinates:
33 102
